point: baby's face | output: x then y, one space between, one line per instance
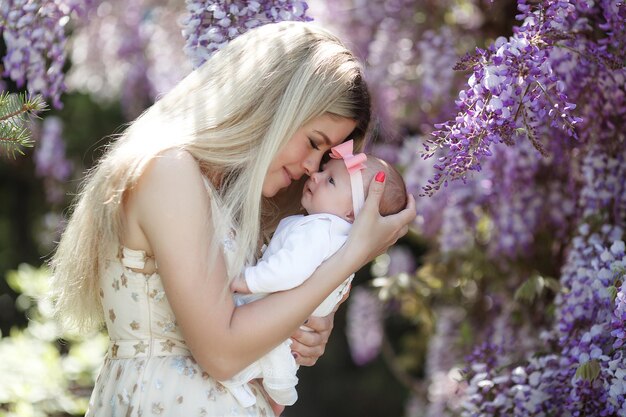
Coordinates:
329 191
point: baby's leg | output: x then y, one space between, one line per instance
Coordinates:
278 409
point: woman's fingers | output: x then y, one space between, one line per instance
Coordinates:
375 192
308 348
306 355
372 234
404 218
323 325
408 214
309 345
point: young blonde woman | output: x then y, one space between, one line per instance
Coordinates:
182 201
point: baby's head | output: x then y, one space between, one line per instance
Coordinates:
330 191
394 197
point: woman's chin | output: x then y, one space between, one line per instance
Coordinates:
269 193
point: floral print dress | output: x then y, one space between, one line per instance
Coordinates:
148 369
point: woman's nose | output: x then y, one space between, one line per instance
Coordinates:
312 164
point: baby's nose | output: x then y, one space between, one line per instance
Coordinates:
315 177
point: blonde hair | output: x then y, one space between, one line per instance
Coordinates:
233 115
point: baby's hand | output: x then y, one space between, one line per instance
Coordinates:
239 285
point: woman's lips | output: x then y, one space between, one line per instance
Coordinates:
288 176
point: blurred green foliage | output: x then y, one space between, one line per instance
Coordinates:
43 371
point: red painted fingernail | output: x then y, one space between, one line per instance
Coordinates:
380 177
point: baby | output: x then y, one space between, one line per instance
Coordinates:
332 198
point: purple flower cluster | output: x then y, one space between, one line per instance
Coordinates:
494 375
458 222
408 55
582 336
360 20
441 365
515 208
211 24
364 318
574 197
554 93
34 35
401 261
487 391
513 88
416 170
51 163
131 51
586 372
410 80
618 322
136 88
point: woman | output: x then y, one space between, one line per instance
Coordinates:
183 200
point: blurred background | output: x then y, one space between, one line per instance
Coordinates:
506 119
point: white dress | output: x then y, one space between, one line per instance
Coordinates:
148 369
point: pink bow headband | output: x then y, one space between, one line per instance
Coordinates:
354 164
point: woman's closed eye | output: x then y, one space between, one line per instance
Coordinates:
313 144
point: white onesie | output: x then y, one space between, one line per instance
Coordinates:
299 245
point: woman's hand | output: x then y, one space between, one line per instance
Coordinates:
309 345
371 233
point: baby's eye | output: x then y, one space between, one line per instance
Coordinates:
331 180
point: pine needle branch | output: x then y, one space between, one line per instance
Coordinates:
16 112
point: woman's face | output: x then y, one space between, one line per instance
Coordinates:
303 153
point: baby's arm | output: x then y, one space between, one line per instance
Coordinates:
304 249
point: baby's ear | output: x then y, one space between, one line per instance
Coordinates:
349 216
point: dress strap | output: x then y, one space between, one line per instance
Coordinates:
132 258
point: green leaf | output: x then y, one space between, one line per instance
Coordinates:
529 290
552 284
588 371
612 292
534 287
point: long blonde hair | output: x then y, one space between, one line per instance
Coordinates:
233 115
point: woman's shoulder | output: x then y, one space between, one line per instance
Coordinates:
175 159
171 178
173 170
